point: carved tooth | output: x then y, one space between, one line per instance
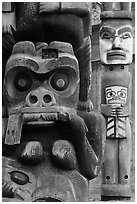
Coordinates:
50 116
14 129
31 117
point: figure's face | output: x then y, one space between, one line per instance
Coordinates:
116 44
41 87
116 95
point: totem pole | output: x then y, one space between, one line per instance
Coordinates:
52 140
116 48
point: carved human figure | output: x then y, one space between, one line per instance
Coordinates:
116 107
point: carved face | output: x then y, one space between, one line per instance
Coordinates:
33 82
37 90
116 95
116 44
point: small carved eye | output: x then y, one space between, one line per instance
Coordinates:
126 36
19 177
107 36
53 54
111 94
121 94
22 82
59 81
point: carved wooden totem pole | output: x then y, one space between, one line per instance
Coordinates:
116 44
52 140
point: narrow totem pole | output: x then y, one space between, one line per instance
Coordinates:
116 47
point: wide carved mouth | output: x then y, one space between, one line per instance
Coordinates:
45 126
117 55
117 101
44 118
35 119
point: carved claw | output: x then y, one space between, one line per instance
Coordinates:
63 155
33 153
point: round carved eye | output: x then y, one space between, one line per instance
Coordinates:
111 94
22 82
59 81
121 94
106 35
126 36
19 177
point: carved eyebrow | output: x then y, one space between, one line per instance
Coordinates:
124 90
125 29
108 90
107 29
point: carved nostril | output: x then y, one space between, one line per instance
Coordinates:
47 98
33 99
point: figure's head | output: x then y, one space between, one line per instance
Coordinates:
35 82
39 88
116 41
116 95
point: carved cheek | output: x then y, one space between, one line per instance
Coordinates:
105 46
127 45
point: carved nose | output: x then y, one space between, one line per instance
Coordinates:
40 98
116 44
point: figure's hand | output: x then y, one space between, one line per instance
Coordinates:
117 111
48 7
109 110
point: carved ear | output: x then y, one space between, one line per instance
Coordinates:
62 47
23 55
25 47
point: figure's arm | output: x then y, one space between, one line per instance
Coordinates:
8 17
109 110
77 8
106 110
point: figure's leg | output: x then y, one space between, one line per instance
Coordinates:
125 161
110 164
109 169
